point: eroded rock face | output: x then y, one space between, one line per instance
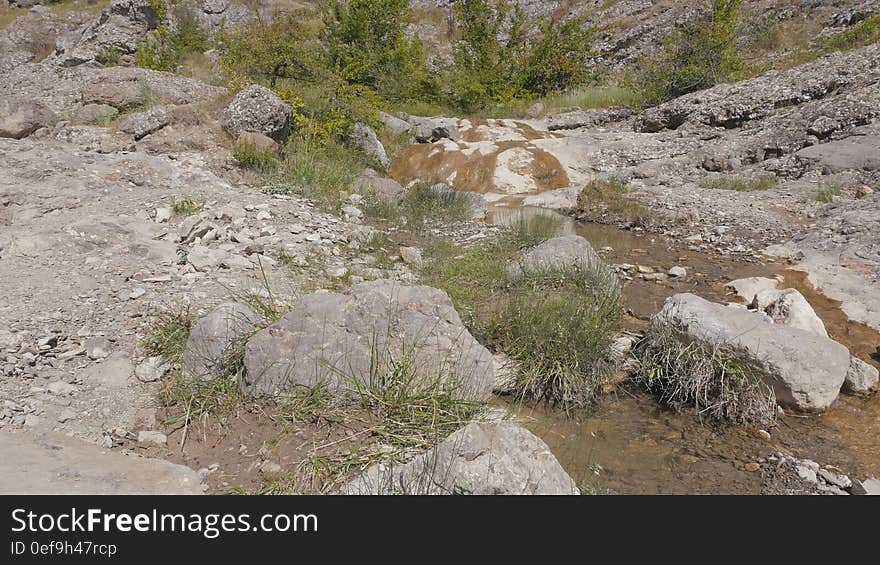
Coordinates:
342 338
258 109
564 253
805 370
19 117
211 338
482 458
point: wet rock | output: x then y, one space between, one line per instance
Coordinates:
213 336
565 253
861 378
342 338
20 118
258 109
482 458
805 370
365 138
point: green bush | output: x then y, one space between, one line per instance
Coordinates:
558 59
700 54
863 33
162 49
252 157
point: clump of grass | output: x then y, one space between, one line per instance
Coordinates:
252 157
739 183
109 57
168 334
686 373
827 192
199 399
559 327
185 207
863 33
424 204
603 197
319 170
308 403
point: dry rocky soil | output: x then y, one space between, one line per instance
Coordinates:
121 204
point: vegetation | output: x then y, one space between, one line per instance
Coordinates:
421 205
739 183
603 197
682 372
185 207
168 334
164 47
252 157
698 55
827 192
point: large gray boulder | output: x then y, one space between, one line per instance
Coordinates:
19 117
258 109
344 338
366 139
482 458
430 130
212 337
805 370
56 464
564 253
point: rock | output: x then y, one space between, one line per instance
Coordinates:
857 152
353 213
535 111
270 468
19 117
258 109
95 114
49 464
807 474
142 124
66 415
339 338
482 458
365 138
411 256
752 467
213 336
123 95
861 378
864 191
748 288
805 370
61 388
789 307
164 214
562 199
254 141
152 369
564 253
149 436
430 130
97 347
836 479
677 272
394 124
868 486
386 190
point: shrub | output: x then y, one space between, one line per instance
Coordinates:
558 59
366 44
423 204
109 56
601 197
827 192
163 48
700 54
739 183
863 33
168 334
252 157
682 372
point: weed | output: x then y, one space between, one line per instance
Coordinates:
168 334
185 207
827 192
739 183
252 157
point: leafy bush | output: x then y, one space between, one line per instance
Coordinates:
700 54
682 372
366 44
162 49
558 59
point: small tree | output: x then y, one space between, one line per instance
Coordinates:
700 54
559 58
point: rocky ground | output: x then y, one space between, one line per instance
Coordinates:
121 201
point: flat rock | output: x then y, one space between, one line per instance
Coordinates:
49 464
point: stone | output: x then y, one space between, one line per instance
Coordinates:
343 338
55 464
837 479
255 141
61 388
163 215
97 347
868 486
353 212
505 374
142 124
677 272
861 378
805 370
430 130
483 458
562 199
394 124
386 190
789 307
748 288
411 256
564 253
152 369
212 336
123 95
258 109
365 138
857 152
20 118
807 474
95 114
150 436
